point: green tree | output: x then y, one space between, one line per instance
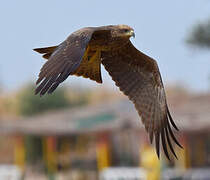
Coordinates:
200 35
30 104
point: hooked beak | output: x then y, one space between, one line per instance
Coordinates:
132 33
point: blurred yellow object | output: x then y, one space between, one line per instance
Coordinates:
150 162
64 155
184 159
19 152
50 155
102 151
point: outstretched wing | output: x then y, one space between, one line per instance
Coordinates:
63 61
138 77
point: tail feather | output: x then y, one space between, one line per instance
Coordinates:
47 51
46 56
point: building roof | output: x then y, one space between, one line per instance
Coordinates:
106 116
190 113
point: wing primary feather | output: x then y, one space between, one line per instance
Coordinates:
53 87
53 83
151 137
66 72
39 80
63 75
157 143
48 85
171 120
51 67
44 71
169 142
39 88
55 69
45 85
164 145
172 135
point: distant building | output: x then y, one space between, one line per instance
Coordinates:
110 134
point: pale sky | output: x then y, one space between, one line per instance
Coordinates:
160 27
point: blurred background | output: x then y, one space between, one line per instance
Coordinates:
86 131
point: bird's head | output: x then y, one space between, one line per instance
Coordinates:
123 31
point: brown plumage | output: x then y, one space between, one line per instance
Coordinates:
136 74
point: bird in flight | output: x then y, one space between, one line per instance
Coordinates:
136 74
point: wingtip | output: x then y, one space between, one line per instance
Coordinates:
172 135
181 146
38 80
164 145
151 137
171 120
36 92
157 144
169 142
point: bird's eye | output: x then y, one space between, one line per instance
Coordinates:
126 30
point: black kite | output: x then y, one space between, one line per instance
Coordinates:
136 74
